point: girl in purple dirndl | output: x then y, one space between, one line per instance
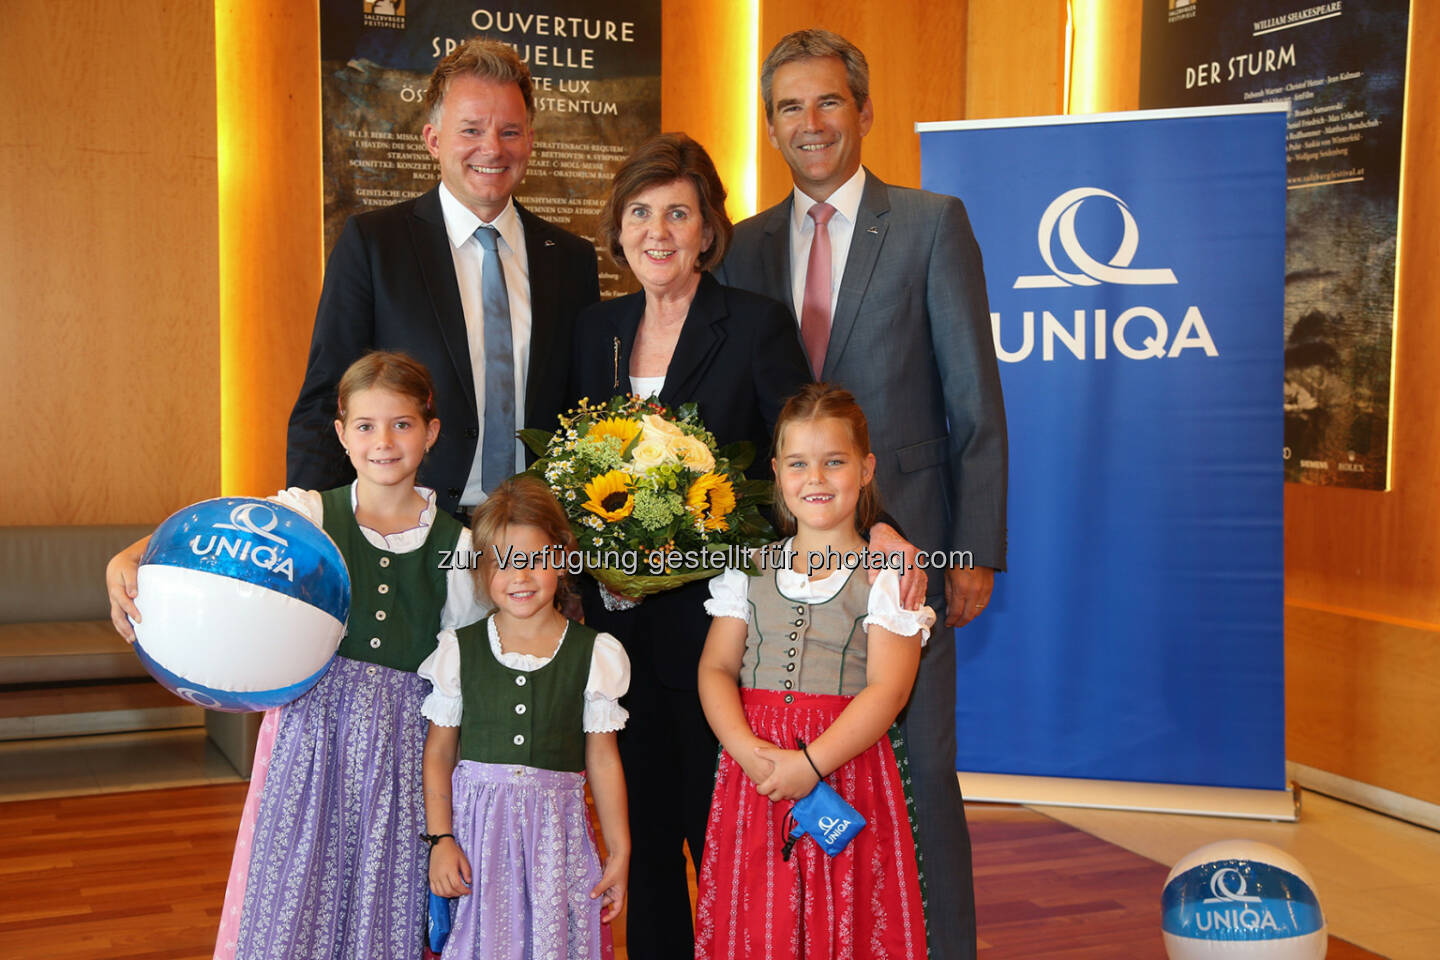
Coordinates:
524 712
328 861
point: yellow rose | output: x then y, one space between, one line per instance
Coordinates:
693 453
649 453
656 427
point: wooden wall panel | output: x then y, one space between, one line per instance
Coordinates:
1361 698
1377 555
268 78
1015 58
108 289
708 84
917 56
1105 59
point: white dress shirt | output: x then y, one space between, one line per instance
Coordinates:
846 201
460 226
647 387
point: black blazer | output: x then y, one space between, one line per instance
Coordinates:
390 284
738 359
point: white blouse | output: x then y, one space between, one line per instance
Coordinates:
730 592
609 680
463 605
647 387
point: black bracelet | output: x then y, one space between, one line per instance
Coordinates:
805 750
434 838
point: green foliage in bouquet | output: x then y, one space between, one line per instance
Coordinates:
653 501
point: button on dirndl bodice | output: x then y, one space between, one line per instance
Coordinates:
533 718
395 598
810 647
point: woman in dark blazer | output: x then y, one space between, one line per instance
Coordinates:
737 356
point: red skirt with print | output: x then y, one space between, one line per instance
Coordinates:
863 903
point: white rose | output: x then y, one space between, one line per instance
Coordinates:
649 453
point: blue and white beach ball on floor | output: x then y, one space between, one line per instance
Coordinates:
242 602
1238 900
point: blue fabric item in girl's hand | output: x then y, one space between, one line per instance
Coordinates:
439 922
826 816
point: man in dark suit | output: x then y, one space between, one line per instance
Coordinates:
888 289
462 278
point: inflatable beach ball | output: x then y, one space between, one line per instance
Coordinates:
242 604
1240 899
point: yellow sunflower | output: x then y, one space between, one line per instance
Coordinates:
610 497
712 498
614 427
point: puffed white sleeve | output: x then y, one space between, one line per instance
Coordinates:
609 680
303 501
730 595
884 610
443 706
464 602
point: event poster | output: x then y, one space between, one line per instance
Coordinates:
1135 267
596 70
1341 64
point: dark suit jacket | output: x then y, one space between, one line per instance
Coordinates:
390 284
911 340
738 359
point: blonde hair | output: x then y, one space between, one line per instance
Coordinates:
823 401
389 370
486 59
522 500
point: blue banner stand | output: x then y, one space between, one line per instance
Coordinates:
1132 656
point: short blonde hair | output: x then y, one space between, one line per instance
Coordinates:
484 58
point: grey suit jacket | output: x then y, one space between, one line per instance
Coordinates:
911 340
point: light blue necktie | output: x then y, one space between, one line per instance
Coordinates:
497 458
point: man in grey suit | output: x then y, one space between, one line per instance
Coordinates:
889 292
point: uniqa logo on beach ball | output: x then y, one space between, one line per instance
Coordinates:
242 602
1240 899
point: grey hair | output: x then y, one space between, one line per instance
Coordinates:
806 44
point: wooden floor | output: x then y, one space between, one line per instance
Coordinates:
142 875
1045 889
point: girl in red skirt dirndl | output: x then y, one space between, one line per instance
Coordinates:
804 671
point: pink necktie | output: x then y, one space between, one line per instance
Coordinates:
815 310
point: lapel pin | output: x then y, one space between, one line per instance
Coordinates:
549 243
874 230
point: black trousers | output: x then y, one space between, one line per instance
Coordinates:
669 755
928 724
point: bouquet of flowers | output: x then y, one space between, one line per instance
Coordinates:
652 500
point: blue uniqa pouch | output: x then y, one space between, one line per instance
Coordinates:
826 817
439 925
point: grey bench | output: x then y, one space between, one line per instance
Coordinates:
59 655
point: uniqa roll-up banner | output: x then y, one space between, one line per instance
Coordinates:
1135 265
